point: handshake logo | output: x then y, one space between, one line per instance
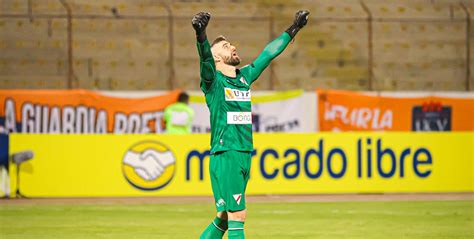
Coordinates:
148 165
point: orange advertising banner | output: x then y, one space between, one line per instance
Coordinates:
351 111
80 112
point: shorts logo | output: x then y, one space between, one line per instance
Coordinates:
148 165
220 202
237 95
239 117
237 198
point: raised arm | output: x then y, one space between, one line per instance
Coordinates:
275 47
206 60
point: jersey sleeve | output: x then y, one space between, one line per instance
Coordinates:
272 50
207 65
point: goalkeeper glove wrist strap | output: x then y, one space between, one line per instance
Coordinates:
292 30
201 36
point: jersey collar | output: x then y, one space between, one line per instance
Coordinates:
236 81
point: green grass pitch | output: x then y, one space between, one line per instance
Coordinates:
400 219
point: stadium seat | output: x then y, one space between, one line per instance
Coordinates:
32 82
330 53
13 7
46 7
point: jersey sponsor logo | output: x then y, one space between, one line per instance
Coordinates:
239 117
237 198
148 165
237 95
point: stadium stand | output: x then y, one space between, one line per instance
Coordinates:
124 45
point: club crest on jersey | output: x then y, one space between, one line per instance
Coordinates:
237 95
243 81
237 198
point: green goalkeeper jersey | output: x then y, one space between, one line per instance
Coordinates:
229 99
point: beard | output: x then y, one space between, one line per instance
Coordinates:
232 60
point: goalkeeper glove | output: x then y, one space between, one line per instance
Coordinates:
200 22
301 18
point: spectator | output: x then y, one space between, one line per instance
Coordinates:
179 116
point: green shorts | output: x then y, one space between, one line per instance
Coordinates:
230 172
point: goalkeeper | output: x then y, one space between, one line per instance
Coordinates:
227 91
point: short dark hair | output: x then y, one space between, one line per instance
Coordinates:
218 39
183 97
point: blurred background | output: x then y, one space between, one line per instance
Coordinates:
100 104
406 45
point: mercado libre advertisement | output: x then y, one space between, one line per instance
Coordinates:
172 165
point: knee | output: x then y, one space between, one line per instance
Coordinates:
222 215
238 215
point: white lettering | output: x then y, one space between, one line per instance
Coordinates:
27 124
91 120
158 118
387 120
37 119
426 125
442 124
82 125
10 118
239 117
134 124
365 118
120 123
328 112
146 118
68 120
375 119
341 111
101 127
45 119
54 124
353 119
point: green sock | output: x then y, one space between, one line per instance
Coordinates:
236 230
215 230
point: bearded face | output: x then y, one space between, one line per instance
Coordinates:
233 59
227 53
